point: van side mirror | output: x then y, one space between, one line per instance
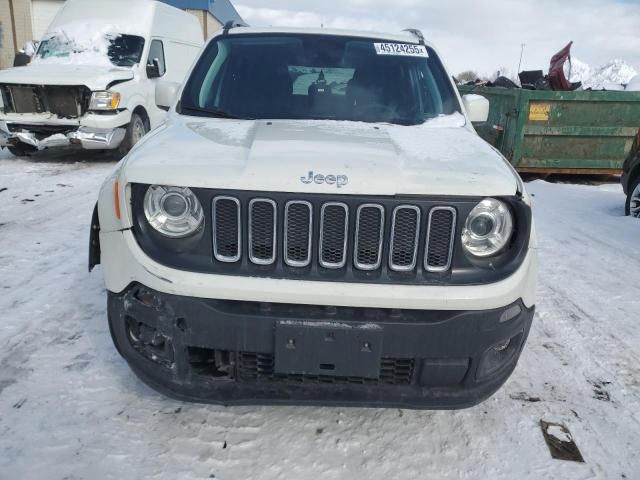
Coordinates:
166 93
477 108
153 69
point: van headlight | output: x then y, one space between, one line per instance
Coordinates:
173 211
104 100
488 228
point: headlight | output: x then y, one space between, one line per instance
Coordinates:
173 211
488 228
104 101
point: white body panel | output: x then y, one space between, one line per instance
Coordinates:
443 157
440 157
179 32
124 262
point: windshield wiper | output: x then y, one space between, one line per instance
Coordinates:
215 113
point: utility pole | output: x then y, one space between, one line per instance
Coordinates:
13 27
522 45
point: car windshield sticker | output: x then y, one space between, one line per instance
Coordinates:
401 49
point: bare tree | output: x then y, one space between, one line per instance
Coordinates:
467 76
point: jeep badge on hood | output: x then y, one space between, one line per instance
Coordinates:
339 180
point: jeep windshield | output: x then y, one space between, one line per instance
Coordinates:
120 49
305 76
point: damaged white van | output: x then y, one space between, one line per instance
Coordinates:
92 80
317 222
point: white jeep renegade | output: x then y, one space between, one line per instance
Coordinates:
317 222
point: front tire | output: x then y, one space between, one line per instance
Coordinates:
136 129
632 205
20 151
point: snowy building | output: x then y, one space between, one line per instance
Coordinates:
25 20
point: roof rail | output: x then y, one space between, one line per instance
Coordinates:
229 25
415 32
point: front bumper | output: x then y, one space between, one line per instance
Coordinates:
221 351
87 137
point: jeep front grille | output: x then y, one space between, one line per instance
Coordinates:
330 235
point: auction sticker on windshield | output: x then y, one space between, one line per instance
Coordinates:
402 49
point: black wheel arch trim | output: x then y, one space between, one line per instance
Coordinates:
94 240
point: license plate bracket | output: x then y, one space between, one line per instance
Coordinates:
328 348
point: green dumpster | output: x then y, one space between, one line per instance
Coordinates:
540 131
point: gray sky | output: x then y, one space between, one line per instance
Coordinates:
483 35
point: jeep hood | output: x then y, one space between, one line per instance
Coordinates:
435 158
93 76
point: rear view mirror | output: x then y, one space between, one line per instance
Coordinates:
477 108
166 93
153 69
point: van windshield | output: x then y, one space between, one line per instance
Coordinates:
121 50
304 76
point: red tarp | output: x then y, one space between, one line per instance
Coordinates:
557 80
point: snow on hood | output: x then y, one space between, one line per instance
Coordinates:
439 157
93 76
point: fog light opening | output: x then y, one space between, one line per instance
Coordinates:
149 342
498 356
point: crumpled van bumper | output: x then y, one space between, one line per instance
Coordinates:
86 137
236 352
42 131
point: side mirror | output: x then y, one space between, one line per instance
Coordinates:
153 69
166 93
477 108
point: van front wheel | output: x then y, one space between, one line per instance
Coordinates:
632 206
20 151
136 129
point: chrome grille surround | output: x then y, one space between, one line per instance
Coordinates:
367 241
400 235
432 259
258 234
333 244
220 230
401 245
297 240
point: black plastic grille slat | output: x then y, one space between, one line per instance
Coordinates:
298 234
404 241
370 225
439 242
262 238
226 225
333 239
259 367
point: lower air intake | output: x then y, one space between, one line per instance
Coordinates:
259 367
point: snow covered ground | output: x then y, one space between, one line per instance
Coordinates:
70 408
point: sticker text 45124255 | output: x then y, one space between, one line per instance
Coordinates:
401 49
